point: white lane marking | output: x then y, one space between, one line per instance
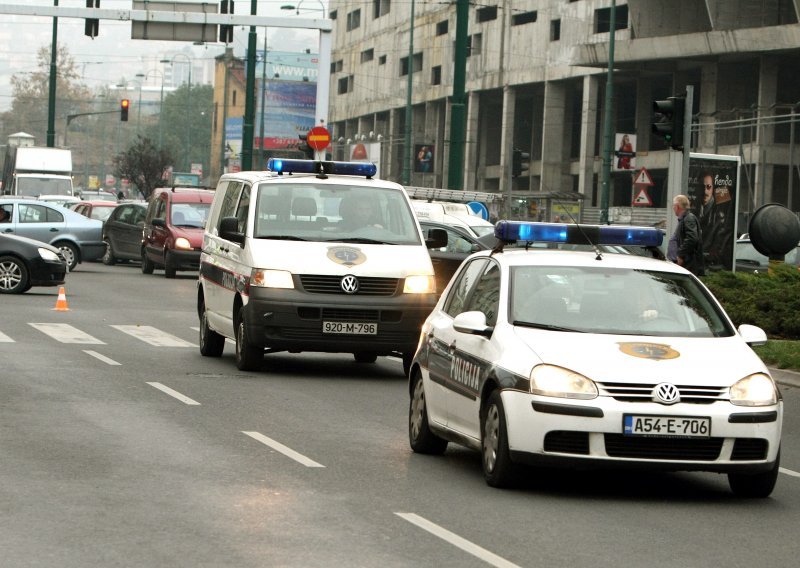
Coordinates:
153 336
288 452
227 339
103 358
789 472
174 394
5 339
66 333
455 540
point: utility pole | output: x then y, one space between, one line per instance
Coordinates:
261 155
51 101
609 99
249 100
407 154
455 167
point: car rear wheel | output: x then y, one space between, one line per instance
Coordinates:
498 469
407 359
13 276
70 253
420 436
169 265
108 256
211 343
757 485
249 357
147 264
365 357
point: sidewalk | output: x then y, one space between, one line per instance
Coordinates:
785 377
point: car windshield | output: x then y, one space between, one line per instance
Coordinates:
614 301
334 213
192 215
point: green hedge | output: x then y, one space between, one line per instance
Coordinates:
768 300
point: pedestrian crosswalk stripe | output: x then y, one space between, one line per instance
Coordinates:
153 336
66 333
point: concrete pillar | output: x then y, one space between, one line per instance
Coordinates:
392 168
507 144
588 135
553 137
709 79
765 136
471 146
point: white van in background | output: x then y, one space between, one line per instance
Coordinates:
453 214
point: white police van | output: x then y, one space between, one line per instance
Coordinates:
313 256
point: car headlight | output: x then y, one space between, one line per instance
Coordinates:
756 390
47 254
419 284
183 243
549 380
271 278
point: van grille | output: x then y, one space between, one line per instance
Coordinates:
367 286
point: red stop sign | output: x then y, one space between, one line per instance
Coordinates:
318 138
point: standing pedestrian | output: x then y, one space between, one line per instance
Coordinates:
686 244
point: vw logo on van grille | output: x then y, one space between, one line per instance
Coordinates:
349 284
666 393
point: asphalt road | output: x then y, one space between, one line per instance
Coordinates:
121 446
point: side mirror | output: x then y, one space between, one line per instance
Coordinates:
157 222
437 238
752 334
229 230
473 323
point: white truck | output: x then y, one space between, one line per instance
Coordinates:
31 171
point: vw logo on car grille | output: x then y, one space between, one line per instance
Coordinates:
349 284
666 393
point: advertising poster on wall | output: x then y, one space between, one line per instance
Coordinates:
424 158
714 196
625 152
234 128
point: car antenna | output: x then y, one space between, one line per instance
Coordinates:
586 237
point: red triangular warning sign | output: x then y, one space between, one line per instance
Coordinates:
642 198
643 178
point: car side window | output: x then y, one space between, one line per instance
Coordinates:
485 296
229 202
459 293
161 209
37 214
53 216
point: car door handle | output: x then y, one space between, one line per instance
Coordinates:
53 230
453 347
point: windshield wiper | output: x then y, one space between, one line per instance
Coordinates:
282 237
361 240
545 326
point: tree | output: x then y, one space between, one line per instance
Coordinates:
143 164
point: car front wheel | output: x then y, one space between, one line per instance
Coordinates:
420 436
248 356
108 256
70 253
13 276
169 265
498 469
756 485
147 264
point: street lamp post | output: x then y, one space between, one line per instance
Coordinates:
188 114
296 7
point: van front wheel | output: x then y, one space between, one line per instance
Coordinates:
248 356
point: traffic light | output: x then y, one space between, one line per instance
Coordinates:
669 117
304 147
226 32
519 162
92 25
124 105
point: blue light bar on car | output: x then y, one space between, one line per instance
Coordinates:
511 231
289 166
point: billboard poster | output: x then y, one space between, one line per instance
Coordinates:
424 158
287 65
625 152
234 129
290 111
714 196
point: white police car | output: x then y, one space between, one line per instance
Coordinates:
595 359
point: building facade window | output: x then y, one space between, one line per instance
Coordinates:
524 18
486 14
354 20
555 30
380 8
442 27
474 44
436 75
332 15
382 60
337 66
367 55
602 19
345 85
404 64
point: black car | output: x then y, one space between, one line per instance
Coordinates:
122 232
25 263
447 259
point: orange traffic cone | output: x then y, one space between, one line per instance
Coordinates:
61 303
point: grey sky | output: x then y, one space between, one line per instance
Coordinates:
113 55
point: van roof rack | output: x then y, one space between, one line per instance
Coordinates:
457 195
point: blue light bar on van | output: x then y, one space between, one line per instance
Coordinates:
289 166
511 231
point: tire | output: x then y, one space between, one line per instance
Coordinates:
108 257
756 485
211 343
420 436
498 469
14 278
407 359
70 252
249 357
365 357
147 264
169 265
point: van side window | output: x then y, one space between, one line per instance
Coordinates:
161 209
229 202
244 207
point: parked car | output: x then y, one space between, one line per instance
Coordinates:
173 229
25 263
100 210
447 259
122 232
97 195
62 200
79 239
748 259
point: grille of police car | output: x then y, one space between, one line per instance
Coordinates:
367 286
643 392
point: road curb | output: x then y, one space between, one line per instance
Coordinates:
785 377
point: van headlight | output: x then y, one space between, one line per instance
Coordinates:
419 284
271 278
549 380
48 255
756 390
183 243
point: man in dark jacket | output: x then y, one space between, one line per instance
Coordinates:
686 244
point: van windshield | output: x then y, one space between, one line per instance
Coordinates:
32 186
334 213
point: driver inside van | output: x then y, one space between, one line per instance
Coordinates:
358 213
